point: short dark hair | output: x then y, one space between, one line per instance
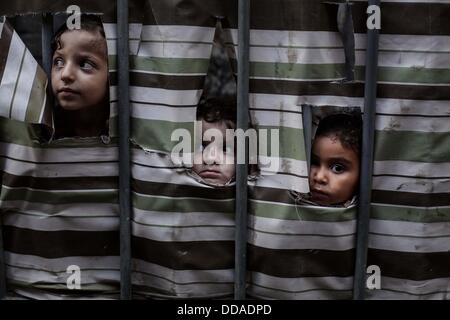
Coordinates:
345 127
216 109
88 22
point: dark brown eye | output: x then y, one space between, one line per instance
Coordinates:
58 62
337 168
86 65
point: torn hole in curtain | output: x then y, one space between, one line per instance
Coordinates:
23 96
31 99
217 112
312 117
80 83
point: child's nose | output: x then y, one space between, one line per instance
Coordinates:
320 175
67 73
212 155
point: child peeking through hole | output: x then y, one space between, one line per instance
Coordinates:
216 167
335 160
80 79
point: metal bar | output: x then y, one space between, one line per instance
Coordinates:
307 131
124 148
2 264
242 169
365 183
2 256
47 34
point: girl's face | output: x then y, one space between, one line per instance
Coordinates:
334 172
80 70
213 165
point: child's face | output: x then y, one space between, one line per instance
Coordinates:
334 171
222 168
80 70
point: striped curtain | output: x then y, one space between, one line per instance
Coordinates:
182 230
58 200
410 224
297 57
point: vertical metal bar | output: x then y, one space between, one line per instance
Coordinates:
2 264
242 169
307 131
47 34
46 50
124 148
2 254
365 185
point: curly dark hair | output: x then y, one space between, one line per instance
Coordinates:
88 22
216 109
345 127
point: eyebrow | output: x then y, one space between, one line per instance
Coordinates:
334 159
82 55
340 159
89 55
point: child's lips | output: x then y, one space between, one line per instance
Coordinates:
210 174
67 91
318 195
